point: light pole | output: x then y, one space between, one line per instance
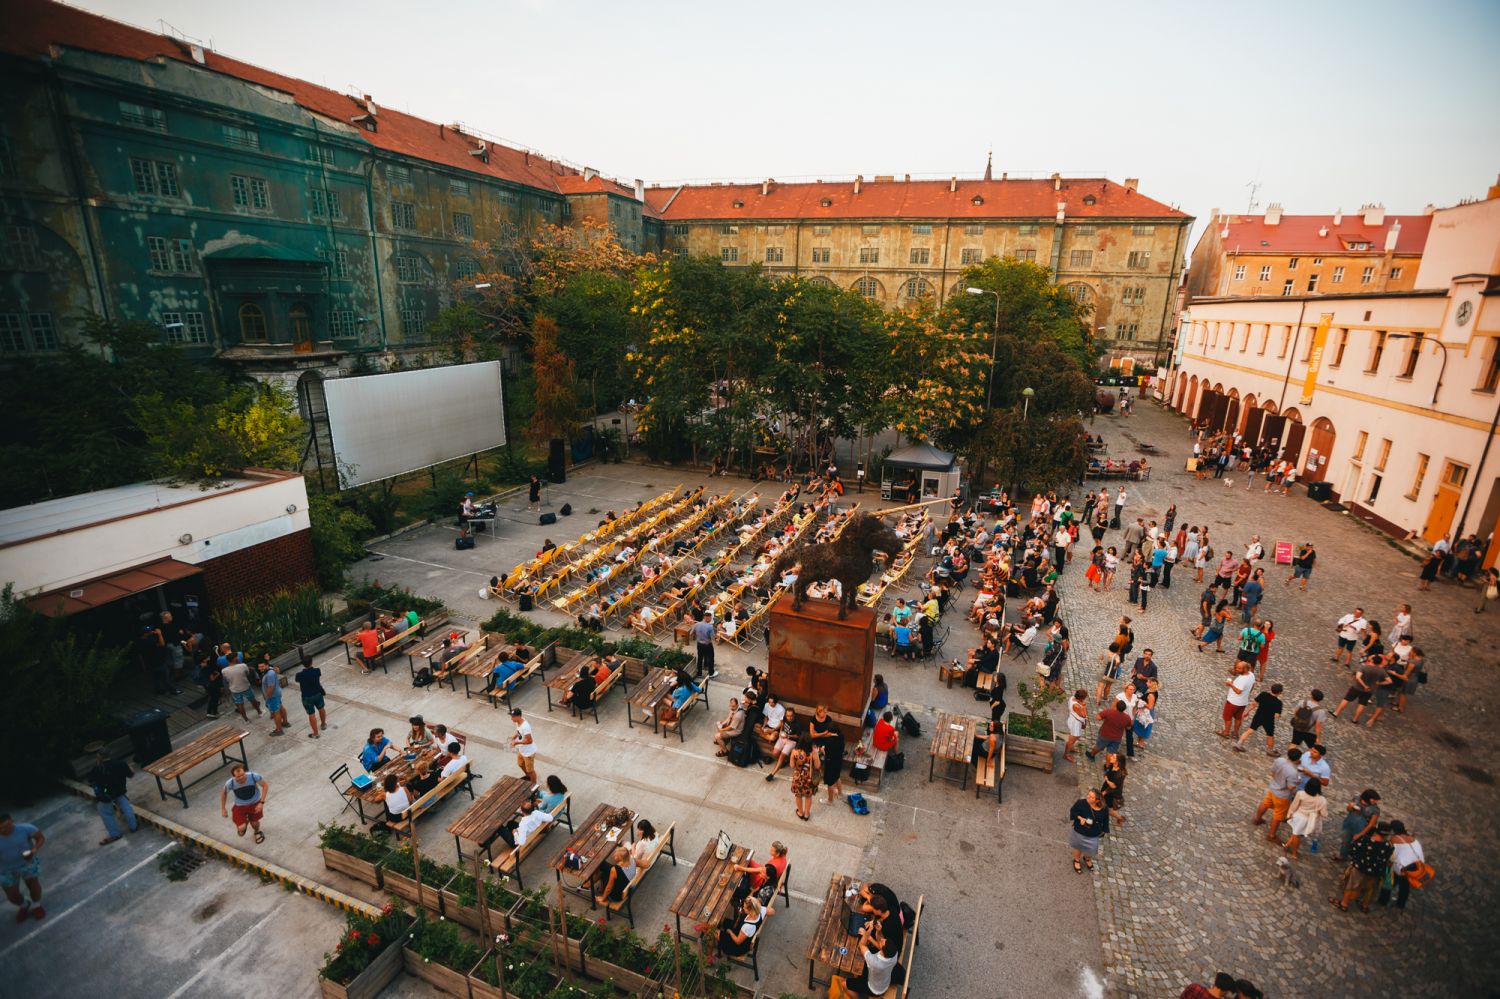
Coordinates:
989 392
1026 394
1442 369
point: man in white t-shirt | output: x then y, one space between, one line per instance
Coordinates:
517 831
456 760
524 744
772 715
880 961
1238 697
1351 628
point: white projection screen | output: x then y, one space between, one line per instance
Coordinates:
384 425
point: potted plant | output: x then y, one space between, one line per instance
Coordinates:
460 898
352 851
441 954
367 957
526 965
399 872
1029 737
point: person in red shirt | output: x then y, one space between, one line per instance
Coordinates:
369 646
1113 721
886 738
1224 987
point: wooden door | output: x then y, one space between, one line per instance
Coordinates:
1292 446
1253 420
1440 517
1321 442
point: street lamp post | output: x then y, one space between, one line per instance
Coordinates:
1026 394
989 393
1442 369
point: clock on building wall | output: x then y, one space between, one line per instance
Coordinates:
1465 310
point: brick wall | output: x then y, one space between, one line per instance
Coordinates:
273 565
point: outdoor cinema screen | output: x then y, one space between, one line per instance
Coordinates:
383 425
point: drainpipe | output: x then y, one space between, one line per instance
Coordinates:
1166 309
375 246
75 171
1291 358
1479 471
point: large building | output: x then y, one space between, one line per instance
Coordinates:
895 240
1282 255
1391 398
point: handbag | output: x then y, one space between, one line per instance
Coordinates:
723 846
1043 669
1491 592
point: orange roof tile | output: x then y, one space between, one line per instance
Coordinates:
909 199
1314 234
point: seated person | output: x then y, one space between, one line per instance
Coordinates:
642 852
728 628
880 960
611 880
761 879
386 628
886 737
901 613
422 780
985 659
880 905
520 829
604 669
456 760
737 931
418 738
903 641
786 741
396 801
507 667
377 750
1021 634
730 727
581 693
772 717
554 795
885 630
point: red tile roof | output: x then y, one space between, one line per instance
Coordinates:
1305 234
36 26
909 199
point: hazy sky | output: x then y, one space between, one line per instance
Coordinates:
1323 104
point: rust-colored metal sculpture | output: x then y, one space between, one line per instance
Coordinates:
849 559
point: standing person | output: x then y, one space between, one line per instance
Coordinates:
1112 790
155 661
250 792
1133 536
1285 780
1307 720
1429 571
236 676
1111 565
1302 566
804 777
1361 816
1250 595
1252 640
1090 820
1305 816
108 781
1268 629
829 739
270 686
1113 722
524 745
1215 631
534 494
1370 675
1238 698
1489 588
1407 861
1144 719
1119 508
211 679
310 683
1350 628
1400 624
1169 519
1267 710
20 842
1169 560
1368 859
703 634
1109 672
1078 719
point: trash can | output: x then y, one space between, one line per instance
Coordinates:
1320 491
149 738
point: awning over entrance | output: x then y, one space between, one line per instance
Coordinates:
106 589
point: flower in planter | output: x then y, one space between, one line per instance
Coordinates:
373 940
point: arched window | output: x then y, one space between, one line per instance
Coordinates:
821 280
916 288
252 324
301 320
1080 291
868 287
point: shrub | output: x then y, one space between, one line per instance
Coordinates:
513 626
622 948
435 874
336 534
276 621
638 648
496 895
363 940
442 941
353 841
396 599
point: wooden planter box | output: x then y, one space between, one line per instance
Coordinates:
632 982
439 976
468 915
404 887
479 988
346 863
1029 752
368 983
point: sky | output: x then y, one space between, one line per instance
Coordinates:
1317 106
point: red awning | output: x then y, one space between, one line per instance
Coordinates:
106 589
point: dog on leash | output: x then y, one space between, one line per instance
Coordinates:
1288 872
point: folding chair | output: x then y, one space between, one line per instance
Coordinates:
347 792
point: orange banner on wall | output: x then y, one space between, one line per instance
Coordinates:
1315 357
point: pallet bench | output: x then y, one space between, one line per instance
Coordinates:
459 780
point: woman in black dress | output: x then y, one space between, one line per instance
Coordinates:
827 737
1430 570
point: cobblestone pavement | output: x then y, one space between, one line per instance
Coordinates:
1188 886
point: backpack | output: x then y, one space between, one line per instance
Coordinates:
1302 718
422 678
742 752
910 725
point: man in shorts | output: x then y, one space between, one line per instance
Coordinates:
1267 710
1370 676
1237 699
1286 778
236 676
250 792
524 744
1302 566
310 682
270 687
1307 720
1351 628
20 842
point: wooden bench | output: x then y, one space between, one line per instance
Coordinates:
676 723
991 773
508 864
200 750
537 664
664 841
751 959
908 952
983 680
456 781
430 646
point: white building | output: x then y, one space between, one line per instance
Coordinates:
1390 398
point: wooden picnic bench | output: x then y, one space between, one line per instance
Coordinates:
508 864
430 646
648 693
832 943
477 667
458 780
591 845
675 724
706 895
184 758
537 664
953 742
373 793
664 841
990 773
569 674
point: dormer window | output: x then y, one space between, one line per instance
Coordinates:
977 200
738 203
826 202
1089 199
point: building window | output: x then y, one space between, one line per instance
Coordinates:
1265 337
403 215
916 288
1126 331
252 193
774 230
12 333
1142 230
1375 481
1339 348
1139 259
1286 340
922 229
1377 351
142 116
341 324
458 188
1287 289
1080 291
1291 264
195 330
868 287
1455 475
252 324
822 230
338 262
1028 229
729 254
774 254
1359 445
1414 346
1385 454
1416 483
301 321
509 199
240 137
171 256
1338 275
1239 272
154 177
1080 258
870 229
977 229
729 230
970 255
1312 283
1027 255
869 254
821 254
920 255
408 268
679 229
466 268
1367 275
1265 272
463 224
43 333
1395 273
325 204
1489 376
413 322
18 248
320 154
1085 230
395 174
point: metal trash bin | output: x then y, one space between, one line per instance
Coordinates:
1322 492
149 738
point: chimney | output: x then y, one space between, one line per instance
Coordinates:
858 181
1273 213
589 173
1429 208
906 179
1005 175
1374 214
1062 210
1338 217
1494 191
640 190
765 187
1132 183
370 108
1057 182
1392 236
1322 230
952 184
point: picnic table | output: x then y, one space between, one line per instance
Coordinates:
374 793
647 694
592 845
186 757
832 943
431 647
709 890
568 675
952 742
481 821
478 667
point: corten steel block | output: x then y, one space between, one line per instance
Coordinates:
814 658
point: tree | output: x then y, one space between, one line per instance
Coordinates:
1032 309
251 427
556 413
938 391
595 328
336 533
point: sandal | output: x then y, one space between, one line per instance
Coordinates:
1088 863
1077 867
1338 905
260 837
